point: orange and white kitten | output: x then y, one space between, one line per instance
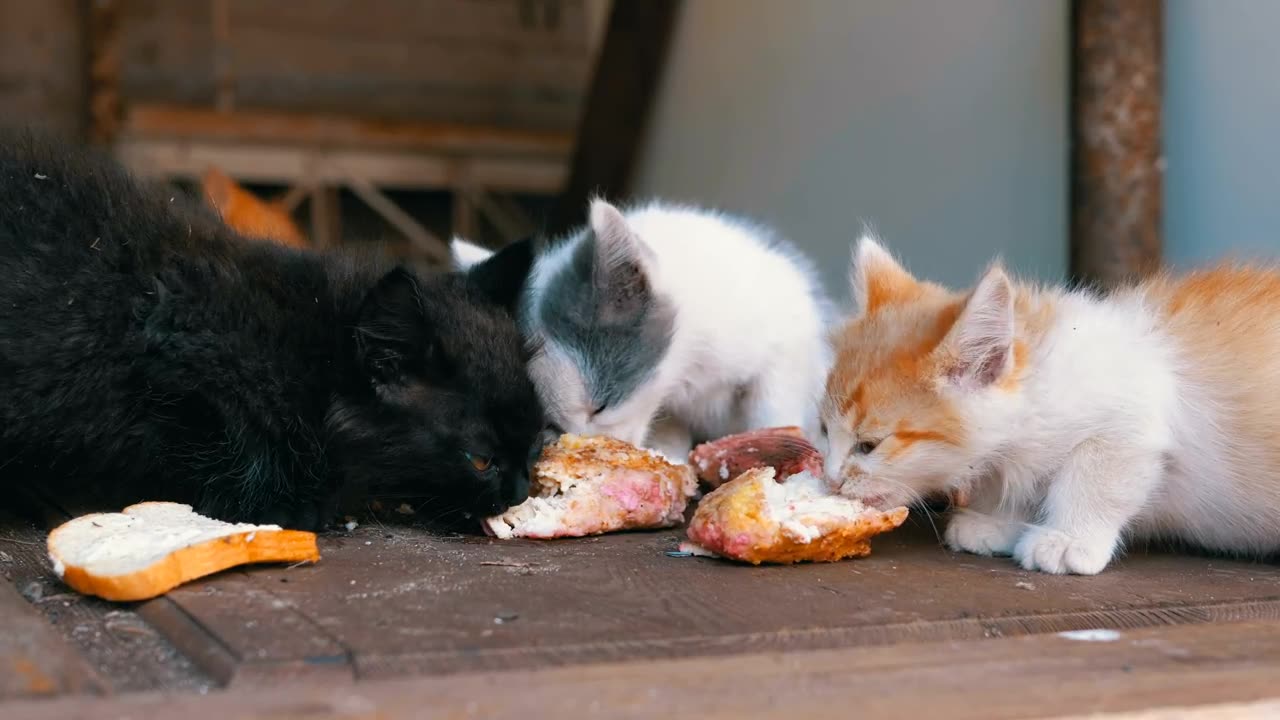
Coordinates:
1072 421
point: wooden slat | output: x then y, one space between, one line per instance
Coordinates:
34 660
243 634
1045 676
103 41
223 68
445 60
617 107
42 66
154 121
326 216
1116 155
126 653
422 238
403 602
385 168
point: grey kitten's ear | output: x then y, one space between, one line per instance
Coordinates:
619 264
876 279
978 350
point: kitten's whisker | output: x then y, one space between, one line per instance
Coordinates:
918 499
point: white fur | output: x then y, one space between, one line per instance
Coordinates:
466 254
749 348
1116 430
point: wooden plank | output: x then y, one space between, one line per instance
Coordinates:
1044 676
385 168
447 60
240 632
42 66
125 652
256 126
405 602
104 70
617 107
510 221
223 68
34 660
1116 151
422 238
326 216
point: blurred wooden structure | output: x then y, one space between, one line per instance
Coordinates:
1116 156
479 98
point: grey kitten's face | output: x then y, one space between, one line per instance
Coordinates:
601 330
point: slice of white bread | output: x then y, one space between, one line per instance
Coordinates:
153 547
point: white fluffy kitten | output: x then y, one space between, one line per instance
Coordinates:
1073 420
667 325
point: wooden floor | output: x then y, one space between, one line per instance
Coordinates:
394 620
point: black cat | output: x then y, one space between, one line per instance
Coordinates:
148 352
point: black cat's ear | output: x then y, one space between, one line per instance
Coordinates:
500 278
391 334
619 265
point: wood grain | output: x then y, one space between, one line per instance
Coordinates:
244 634
407 603
34 660
1042 676
491 62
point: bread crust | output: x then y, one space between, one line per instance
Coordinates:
184 564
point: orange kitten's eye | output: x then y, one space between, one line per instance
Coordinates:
866 447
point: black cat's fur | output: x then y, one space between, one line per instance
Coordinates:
148 352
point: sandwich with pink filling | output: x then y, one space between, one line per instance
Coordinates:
777 508
592 485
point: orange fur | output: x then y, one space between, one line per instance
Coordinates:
890 357
1221 317
249 215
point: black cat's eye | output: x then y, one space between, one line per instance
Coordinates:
481 463
866 447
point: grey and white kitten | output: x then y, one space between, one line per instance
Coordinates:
665 325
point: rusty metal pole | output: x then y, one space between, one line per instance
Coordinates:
1115 139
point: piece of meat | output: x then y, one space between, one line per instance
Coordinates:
755 519
592 485
784 449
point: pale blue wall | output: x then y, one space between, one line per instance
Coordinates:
1222 129
943 122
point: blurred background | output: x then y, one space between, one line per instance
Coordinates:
1087 139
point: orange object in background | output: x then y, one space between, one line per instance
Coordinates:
248 214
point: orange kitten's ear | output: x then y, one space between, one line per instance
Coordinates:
978 350
876 279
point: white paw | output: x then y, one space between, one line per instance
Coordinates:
982 534
1053 551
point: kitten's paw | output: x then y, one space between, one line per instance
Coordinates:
1053 551
982 534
